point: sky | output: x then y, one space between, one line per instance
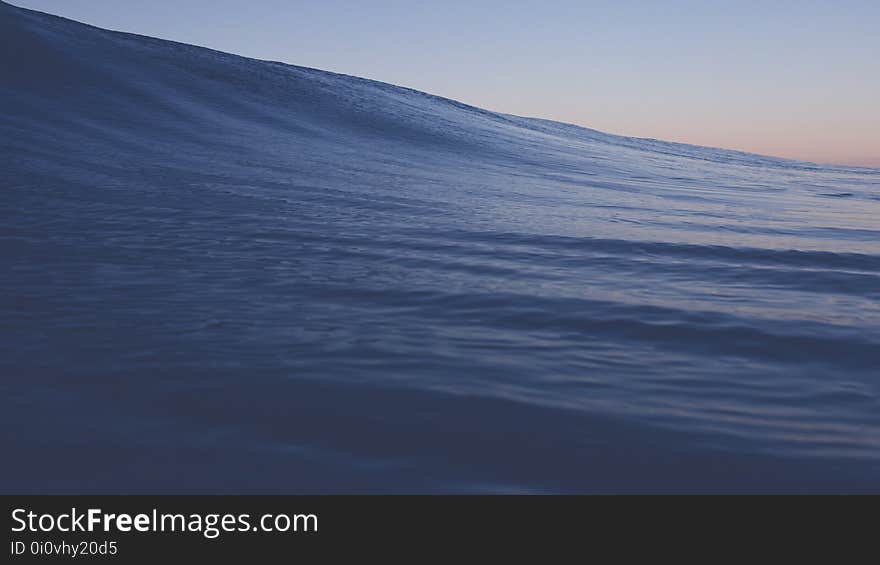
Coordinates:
798 79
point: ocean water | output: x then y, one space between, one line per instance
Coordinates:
229 275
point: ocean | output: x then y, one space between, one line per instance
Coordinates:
228 275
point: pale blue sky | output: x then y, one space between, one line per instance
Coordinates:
791 78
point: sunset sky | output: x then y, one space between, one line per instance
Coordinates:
797 79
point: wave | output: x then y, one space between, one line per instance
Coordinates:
373 288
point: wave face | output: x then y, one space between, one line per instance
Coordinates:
225 274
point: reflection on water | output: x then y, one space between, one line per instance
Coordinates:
224 274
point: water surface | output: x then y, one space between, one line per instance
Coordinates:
229 275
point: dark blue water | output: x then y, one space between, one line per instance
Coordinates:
221 274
